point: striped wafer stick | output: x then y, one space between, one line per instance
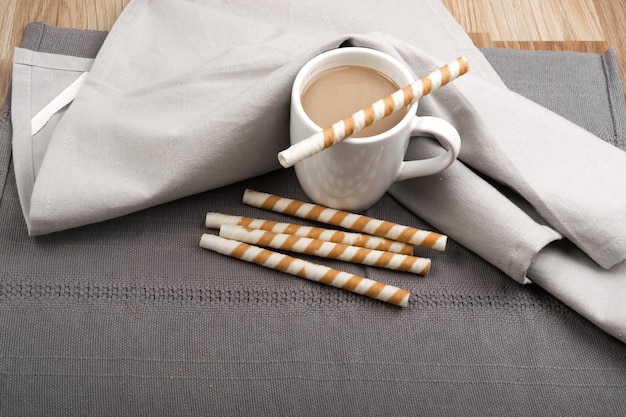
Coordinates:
305 269
347 253
345 219
215 220
358 121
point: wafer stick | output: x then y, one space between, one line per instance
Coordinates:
215 220
347 253
307 270
363 118
345 219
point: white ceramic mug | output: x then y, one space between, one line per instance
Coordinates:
355 173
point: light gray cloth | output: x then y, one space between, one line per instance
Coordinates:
205 107
37 79
561 268
131 317
460 194
186 97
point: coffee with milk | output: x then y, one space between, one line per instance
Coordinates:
341 91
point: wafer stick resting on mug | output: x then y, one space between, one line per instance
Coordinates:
215 220
307 270
316 247
345 219
358 121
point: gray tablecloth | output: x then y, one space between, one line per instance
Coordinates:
131 317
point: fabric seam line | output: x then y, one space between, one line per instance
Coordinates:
619 141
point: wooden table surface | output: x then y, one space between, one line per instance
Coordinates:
575 25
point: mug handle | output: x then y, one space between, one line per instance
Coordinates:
445 134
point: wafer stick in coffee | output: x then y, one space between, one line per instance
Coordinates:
215 220
347 253
307 270
345 219
358 121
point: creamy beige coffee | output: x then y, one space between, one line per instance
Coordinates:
341 91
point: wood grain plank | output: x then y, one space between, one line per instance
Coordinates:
529 20
7 42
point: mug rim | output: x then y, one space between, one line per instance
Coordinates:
306 73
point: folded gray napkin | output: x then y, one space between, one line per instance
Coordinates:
185 97
131 317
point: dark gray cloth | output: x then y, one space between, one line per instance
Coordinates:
131 317
596 103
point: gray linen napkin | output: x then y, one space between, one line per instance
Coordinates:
131 317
